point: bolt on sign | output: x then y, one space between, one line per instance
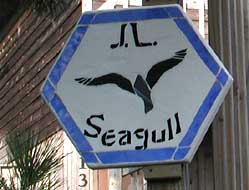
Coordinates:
136 87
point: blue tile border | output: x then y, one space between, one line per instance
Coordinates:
201 115
86 19
48 91
127 15
130 15
135 156
181 153
222 77
69 125
198 45
174 12
66 55
90 157
132 156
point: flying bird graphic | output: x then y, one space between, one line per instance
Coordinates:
141 87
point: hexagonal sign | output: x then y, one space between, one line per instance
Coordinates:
136 86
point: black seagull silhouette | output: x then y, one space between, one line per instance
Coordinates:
141 87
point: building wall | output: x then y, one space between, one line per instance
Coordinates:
229 37
26 55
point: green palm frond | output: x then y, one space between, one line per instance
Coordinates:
36 163
3 184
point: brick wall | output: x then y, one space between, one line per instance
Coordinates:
26 55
